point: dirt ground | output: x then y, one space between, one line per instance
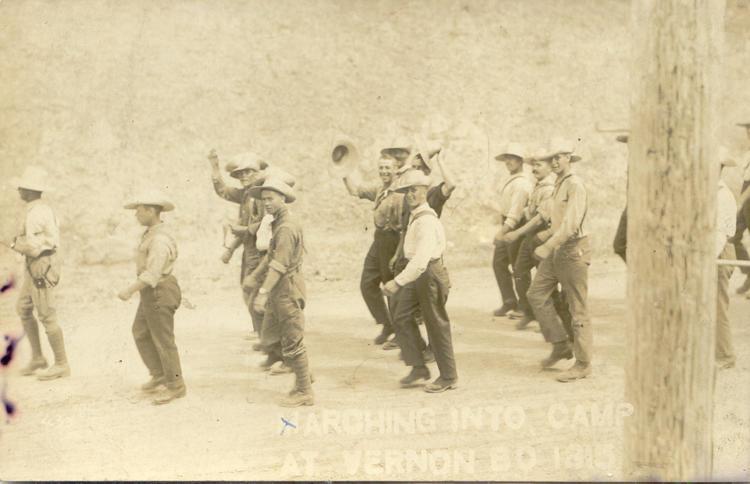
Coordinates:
507 420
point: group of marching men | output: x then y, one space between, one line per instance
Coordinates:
404 281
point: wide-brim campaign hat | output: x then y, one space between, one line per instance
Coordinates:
150 197
401 143
560 146
412 178
244 161
512 149
427 149
34 178
277 185
725 157
275 172
537 156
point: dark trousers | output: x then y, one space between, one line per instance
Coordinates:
525 262
250 261
743 223
428 293
284 319
620 244
567 265
504 256
376 271
153 331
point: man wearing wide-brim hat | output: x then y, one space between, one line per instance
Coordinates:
281 296
39 240
565 257
423 285
246 168
513 196
726 226
743 214
160 296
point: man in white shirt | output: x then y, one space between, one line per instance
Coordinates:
726 212
743 215
514 194
423 284
38 241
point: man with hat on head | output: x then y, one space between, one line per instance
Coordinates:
565 257
726 225
423 285
537 216
387 220
246 168
160 296
743 216
38 241
513 197
281 293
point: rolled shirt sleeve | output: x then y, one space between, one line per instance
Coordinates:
283 251
573 215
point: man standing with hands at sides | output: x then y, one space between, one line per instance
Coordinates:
153 328
38 241
245 168
423 284
513 197
387 219
282 291
565 258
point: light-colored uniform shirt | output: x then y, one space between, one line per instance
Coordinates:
513 197
156 255
569 206
388 205
424 241
540 200
726 216
40 228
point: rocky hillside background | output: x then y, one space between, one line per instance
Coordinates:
112 96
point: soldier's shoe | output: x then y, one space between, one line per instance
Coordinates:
257 347
525 321
34 365
269 361
298 398
416 374
391 345
515 314
560 351
280 368
169 394
383 336
440 385
54 372
153 384
505 309
745 287
578 371
428 356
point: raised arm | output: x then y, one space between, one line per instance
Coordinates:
223 190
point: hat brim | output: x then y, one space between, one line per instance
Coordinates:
256 193
390 151
165 206
20 183
501 156
573 158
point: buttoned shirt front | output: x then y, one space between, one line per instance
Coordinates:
569 206
388 203
513 197
40 229
540 200
726 216
424 241
157 253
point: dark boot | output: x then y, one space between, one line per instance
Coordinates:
271 358
440 385
384 334
302 393
560 351
505 309
417 373
525 321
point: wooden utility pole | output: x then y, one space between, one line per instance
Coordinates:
673 177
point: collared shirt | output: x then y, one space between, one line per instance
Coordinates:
156 255
424 241
387 211
513 197
569 206
40 228
726 216
251 211
287 244
540 200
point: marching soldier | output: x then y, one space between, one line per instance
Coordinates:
245 168
565 257
743 217
726 219
281 295
513 197
423 285
387 219
160 296
38 241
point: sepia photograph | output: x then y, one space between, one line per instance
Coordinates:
375 240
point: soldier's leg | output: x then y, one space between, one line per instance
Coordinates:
724 348
407 335
432 293
142 336
561 308
25 310
620 243
160 320
289 307
539 295
500 265
46 307
522 271
370 287
571 264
